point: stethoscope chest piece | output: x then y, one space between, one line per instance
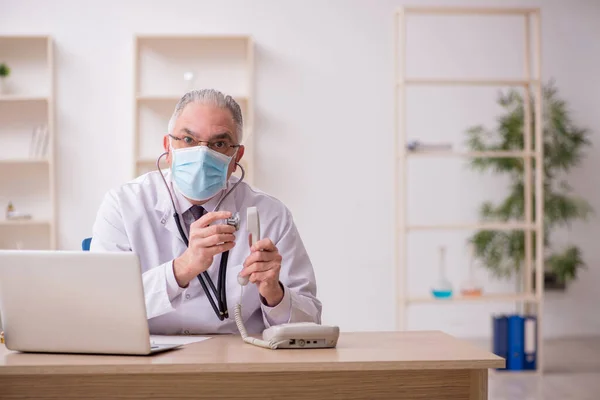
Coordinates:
234 221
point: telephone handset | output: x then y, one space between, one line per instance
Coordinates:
299 335
253 226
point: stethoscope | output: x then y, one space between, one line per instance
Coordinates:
220 304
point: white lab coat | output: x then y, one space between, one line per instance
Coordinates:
138 217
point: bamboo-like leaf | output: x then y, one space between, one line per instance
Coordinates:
563 147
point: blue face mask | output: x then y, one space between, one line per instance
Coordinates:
199 172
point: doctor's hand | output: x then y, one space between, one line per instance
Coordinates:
205 242
263 266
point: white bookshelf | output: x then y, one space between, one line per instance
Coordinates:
26 222
27 161
222 62
465 82
5 98
27 178
470 154
530 299
488 298
498 226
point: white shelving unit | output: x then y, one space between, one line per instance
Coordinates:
27 178
529 298
221 62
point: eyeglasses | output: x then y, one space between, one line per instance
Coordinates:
222 146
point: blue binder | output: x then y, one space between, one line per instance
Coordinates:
530 342
500 336
516 326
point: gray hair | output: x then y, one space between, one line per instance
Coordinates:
212 97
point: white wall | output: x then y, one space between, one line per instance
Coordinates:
324 126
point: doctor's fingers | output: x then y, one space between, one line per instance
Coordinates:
264 245
215 239
212 251
270 275
203 232
260 267
262 256
210 217
212 231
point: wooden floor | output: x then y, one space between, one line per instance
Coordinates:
572 373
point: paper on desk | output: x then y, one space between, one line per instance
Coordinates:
174 339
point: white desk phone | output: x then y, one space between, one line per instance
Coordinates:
299 335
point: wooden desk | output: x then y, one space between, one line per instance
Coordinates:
390 365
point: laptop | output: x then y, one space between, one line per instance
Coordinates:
74 302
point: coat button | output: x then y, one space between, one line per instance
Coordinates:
163 221
187 296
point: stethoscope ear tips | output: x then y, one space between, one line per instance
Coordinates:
234 221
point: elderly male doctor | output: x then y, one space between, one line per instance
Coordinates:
203 147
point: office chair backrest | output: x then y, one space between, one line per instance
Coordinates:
86 243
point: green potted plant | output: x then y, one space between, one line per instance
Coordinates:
4 73
503 252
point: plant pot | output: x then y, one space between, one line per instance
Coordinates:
551 282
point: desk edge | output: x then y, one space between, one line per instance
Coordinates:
248 367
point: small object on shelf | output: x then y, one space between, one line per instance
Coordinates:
471 287
417 145
13 215
39 142
442 288
189 78
471 291
9 209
